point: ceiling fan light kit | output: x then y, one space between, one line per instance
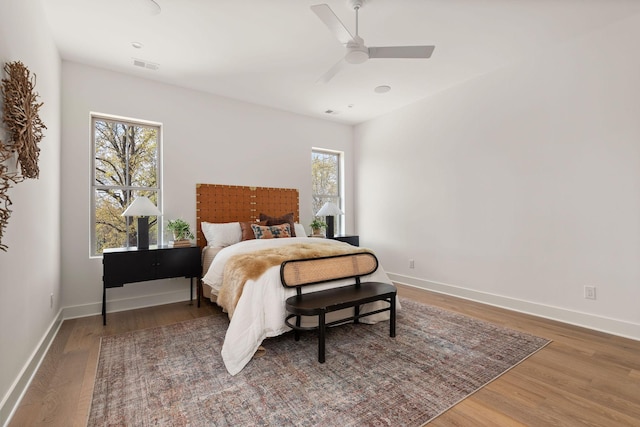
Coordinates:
357 51
356 54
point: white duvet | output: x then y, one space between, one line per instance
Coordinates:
260 312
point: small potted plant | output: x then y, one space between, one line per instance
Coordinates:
317 225
180 228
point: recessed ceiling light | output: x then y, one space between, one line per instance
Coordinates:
146 7
154 7
137 45
382 89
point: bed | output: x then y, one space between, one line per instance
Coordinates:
243 276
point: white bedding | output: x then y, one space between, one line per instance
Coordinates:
260 312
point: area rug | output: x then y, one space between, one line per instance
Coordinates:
174 375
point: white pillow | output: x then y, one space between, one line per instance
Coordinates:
221 235
299 229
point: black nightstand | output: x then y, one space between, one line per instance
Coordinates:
130 265
351 239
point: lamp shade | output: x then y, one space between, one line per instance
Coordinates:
329 209
142 206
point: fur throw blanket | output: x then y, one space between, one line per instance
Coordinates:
242 267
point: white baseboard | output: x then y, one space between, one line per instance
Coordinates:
19 387
586 320
115 305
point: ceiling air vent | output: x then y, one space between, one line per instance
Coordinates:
145 64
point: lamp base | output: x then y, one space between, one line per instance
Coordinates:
330 226
143 232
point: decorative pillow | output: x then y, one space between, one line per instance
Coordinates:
299 230
247 231
284 219
221 235
271 231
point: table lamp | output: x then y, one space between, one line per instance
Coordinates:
329 210
142 207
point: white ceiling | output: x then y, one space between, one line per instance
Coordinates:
272 52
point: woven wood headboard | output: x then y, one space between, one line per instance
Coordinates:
231 203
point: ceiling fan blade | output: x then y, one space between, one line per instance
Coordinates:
332 72
423 52
334 24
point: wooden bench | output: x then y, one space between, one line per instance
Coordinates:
313 271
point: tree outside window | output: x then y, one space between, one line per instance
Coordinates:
326 181
126 165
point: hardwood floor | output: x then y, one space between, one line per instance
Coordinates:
583 378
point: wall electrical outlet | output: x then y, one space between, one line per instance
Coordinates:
412 263
51 301
590 292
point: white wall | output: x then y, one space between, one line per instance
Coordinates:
520 187
206 139
30 269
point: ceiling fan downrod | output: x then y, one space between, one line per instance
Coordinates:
357 53
356 5
357 8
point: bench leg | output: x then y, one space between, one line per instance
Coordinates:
392 317
356 314
321 334
296 332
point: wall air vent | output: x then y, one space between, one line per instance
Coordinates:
145 64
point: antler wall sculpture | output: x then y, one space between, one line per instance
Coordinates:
24 130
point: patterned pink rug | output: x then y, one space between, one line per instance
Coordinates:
174 376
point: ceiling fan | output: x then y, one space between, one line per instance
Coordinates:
357 52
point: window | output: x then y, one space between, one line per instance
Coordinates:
126 164
326 173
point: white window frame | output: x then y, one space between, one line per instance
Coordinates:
339 220
94 187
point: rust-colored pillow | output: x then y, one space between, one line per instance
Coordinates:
247 231
284 219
